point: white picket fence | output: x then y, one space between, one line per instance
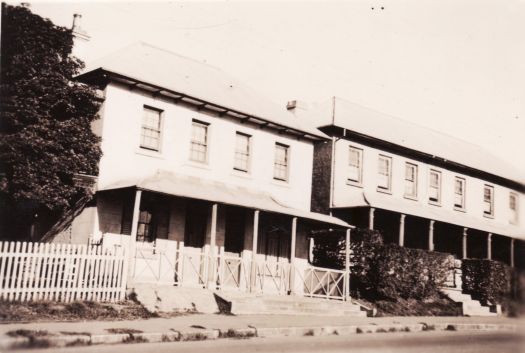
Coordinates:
61 272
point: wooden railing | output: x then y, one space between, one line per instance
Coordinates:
61 272
323 282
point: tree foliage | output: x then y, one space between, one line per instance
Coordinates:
45 115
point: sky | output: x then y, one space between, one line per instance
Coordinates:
453 66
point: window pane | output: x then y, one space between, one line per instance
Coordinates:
384 172
434 191
488 200
281 162
410 180
150 131
199 139
354 164
242 152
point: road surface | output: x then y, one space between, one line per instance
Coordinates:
438 342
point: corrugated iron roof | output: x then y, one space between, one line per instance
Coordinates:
163 68
365 121
387 202
213 191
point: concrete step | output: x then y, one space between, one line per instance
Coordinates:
469 306
290 305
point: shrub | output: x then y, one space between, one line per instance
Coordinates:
409 273
487 280
385 271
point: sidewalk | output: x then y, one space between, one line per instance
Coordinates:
211 326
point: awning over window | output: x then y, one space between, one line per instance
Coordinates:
201 189
409 207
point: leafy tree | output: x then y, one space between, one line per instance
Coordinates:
46 117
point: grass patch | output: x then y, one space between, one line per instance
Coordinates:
381 330
37 338
135 339
439 305
27 333
231 333
128 331
75 311
196 337
309 333
451 328
69 333
358 330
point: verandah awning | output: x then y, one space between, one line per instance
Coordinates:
213 191
414 208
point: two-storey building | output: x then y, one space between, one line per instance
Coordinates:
420 187
206 182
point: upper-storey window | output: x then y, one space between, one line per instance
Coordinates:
150 131
384 173
513 205
355 165
242 152
280 166
488 200
434 186
199 141
459 193
410 180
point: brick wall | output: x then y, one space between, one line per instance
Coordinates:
322 170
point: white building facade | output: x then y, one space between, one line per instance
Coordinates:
419 187
206 183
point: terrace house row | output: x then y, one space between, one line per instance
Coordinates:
419 187
209 185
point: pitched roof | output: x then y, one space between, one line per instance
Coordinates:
365 121
149 64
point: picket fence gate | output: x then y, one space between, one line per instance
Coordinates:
61 272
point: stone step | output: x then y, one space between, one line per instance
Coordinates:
469 306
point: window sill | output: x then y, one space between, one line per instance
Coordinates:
384 191
460 209
489 216
408 197
241 174
281 183
192 164
434 203
149 153
354 183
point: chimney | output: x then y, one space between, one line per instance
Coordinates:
296 105
78 31
80 38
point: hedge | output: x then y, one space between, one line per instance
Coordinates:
410 273
385 271
487 280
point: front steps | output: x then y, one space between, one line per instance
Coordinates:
469 306
243 304
168 298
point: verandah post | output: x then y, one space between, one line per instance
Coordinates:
402 230
133 236
431 236
292 255
253 272
489 246
464 243
347 265
213 248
